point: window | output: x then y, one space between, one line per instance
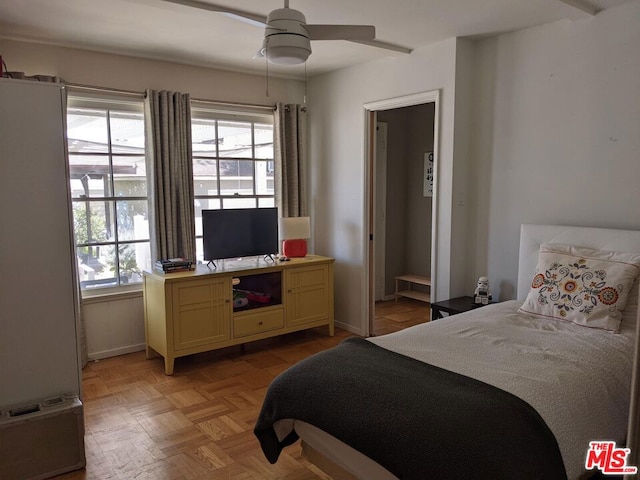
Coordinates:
232 163
109 190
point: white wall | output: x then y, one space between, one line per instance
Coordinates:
556 134
337 162
116 325
531 118
396 218
419 208
137 74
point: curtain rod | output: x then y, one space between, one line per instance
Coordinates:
77 86
132 93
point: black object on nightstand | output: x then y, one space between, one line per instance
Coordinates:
453 306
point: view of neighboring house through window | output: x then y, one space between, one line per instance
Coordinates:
108 190
232 163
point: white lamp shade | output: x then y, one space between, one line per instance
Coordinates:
294 228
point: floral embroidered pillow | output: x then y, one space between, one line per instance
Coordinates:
582 285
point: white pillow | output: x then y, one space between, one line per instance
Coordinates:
582 285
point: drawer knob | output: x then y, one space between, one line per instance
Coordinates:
260 323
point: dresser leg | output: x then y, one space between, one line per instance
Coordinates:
168 366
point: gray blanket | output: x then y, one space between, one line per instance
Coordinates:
416 420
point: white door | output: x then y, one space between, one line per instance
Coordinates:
380 211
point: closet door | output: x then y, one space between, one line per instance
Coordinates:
38 296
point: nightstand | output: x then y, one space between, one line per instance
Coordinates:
452 306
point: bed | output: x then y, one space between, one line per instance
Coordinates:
516 389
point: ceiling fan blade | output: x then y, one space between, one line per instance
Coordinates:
341 32
385 45
247 17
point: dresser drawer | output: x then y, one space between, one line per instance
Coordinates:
251 323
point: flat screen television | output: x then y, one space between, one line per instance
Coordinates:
239 232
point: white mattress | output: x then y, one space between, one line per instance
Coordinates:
576 378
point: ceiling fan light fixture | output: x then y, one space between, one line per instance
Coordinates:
287 35
286 49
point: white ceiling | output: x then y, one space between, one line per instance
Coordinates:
160 30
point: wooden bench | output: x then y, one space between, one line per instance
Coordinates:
409 280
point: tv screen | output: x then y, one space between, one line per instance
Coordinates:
239 232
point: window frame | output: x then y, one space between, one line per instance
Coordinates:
241 115
109 104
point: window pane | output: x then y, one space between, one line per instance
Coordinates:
204 204
199 251
133 259
87 131
264 177
133 223
235 139
203 138
96 266
93 222
89 176
129 176
242 167
127 132
205 177
264 141
107 160
266 202
236 177
238 203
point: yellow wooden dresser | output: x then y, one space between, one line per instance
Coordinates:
238 302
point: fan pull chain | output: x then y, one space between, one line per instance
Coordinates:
266 63
304 98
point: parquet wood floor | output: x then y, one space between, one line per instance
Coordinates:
198 423
195 424
393 316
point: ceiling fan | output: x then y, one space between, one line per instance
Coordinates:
287 36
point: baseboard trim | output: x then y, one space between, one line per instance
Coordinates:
116 351
349 328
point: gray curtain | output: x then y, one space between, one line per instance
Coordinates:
290 152
170 175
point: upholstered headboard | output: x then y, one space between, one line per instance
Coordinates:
532 236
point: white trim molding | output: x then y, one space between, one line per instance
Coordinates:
432 96
582 5
404 101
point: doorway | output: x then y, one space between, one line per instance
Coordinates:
401 204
